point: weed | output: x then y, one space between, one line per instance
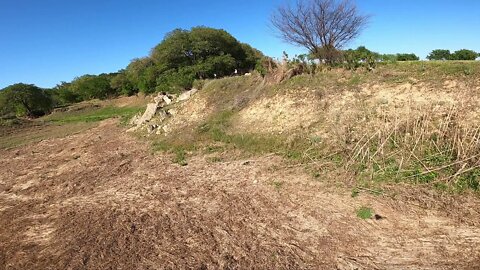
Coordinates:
180 157
469 180
365 212
277 184
215 159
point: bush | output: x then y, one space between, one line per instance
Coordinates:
199 84
389 58
407 57
175 81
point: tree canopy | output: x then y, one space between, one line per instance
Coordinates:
93 86
182 57
24 100
464 54
407 57
439 54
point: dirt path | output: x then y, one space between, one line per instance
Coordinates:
100 200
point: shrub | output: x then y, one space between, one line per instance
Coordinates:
175 81
198 84
407 57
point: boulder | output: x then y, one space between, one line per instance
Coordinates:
186 95
167 100
151 128
148 114
171 112
158 98
135 120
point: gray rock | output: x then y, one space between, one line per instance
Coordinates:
167 100
186 95
158 98
148 114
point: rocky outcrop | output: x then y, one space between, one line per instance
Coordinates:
157 112
186 95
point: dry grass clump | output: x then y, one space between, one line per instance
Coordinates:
425 149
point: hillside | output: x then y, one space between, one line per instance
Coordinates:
337 170
401 122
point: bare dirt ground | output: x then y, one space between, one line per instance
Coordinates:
101 200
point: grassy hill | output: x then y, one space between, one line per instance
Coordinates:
409 122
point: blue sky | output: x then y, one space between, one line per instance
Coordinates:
48 41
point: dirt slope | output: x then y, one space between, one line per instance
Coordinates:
101 200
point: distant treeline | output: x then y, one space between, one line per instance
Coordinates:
362 53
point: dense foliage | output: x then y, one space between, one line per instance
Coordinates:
362 56
463 54
25 100
439 54
184 56
407 57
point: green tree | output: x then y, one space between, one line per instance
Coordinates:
200 53
464 54
252 56
142 73
361 57
182 48
407 57
439 54
122 85
62 94
25 100
93 86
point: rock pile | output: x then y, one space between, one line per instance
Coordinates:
156 113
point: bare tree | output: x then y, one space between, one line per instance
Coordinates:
321 26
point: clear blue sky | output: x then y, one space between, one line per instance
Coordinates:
47 41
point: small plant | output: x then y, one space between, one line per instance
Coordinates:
180 157
365 212
215 159
467 71
277 184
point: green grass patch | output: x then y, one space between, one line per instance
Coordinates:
365 212
277 184
94 115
